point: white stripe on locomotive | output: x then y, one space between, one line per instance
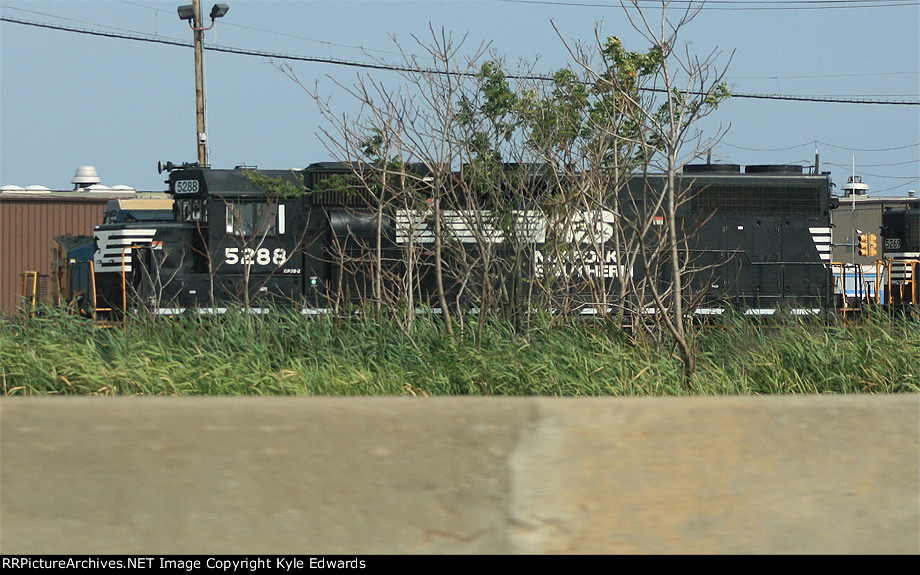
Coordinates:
111 252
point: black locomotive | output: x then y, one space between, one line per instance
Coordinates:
900 232
756 240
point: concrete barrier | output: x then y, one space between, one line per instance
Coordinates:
830 474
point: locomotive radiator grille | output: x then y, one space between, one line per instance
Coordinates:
756 200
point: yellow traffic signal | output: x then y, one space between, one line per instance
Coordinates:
864 244
873 245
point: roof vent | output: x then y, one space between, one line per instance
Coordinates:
84 176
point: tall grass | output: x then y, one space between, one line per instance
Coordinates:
284 353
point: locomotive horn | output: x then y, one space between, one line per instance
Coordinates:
168 166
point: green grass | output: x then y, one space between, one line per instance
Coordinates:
290 354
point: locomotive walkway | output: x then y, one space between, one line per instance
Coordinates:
311 476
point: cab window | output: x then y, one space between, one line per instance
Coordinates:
252 219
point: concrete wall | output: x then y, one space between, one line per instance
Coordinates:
830 474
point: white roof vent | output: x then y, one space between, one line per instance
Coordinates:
96 188
11 188
84 176
37 190
123 188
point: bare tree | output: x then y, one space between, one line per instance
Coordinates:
671 126
597 130
411 136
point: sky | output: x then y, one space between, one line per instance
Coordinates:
70 98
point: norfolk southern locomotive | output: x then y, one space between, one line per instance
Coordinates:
759 240
900 232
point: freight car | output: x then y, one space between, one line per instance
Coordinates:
757 240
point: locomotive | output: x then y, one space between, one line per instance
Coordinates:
900 233
757 240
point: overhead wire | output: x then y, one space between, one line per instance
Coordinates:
136 36
816 142
736 5
393 68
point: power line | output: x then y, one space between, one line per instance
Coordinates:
861 166
786 149
738 5
393 68
61 18
905 181
304 38
825 76
366 50
888 165
811 143
869 149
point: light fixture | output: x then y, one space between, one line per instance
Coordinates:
219 10
187 12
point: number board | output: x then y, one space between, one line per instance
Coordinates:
893 244
185 187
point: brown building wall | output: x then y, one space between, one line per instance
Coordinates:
28 226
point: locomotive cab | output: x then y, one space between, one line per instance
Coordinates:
900 231
242 231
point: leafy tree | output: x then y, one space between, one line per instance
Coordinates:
614 116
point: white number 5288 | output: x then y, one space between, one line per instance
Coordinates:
252 256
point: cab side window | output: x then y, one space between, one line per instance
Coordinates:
252 219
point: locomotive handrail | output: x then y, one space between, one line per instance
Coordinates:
840 279
92 278
909 267
30 295
96 310
885 269
124 281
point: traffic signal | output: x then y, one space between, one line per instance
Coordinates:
868 245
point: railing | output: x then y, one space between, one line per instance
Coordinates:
851 286
30 291
883 282
901 276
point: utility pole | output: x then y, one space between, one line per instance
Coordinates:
199 87
192 13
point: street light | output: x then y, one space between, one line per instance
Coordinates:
186 12
192 13
218 11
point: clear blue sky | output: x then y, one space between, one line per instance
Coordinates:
69 99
